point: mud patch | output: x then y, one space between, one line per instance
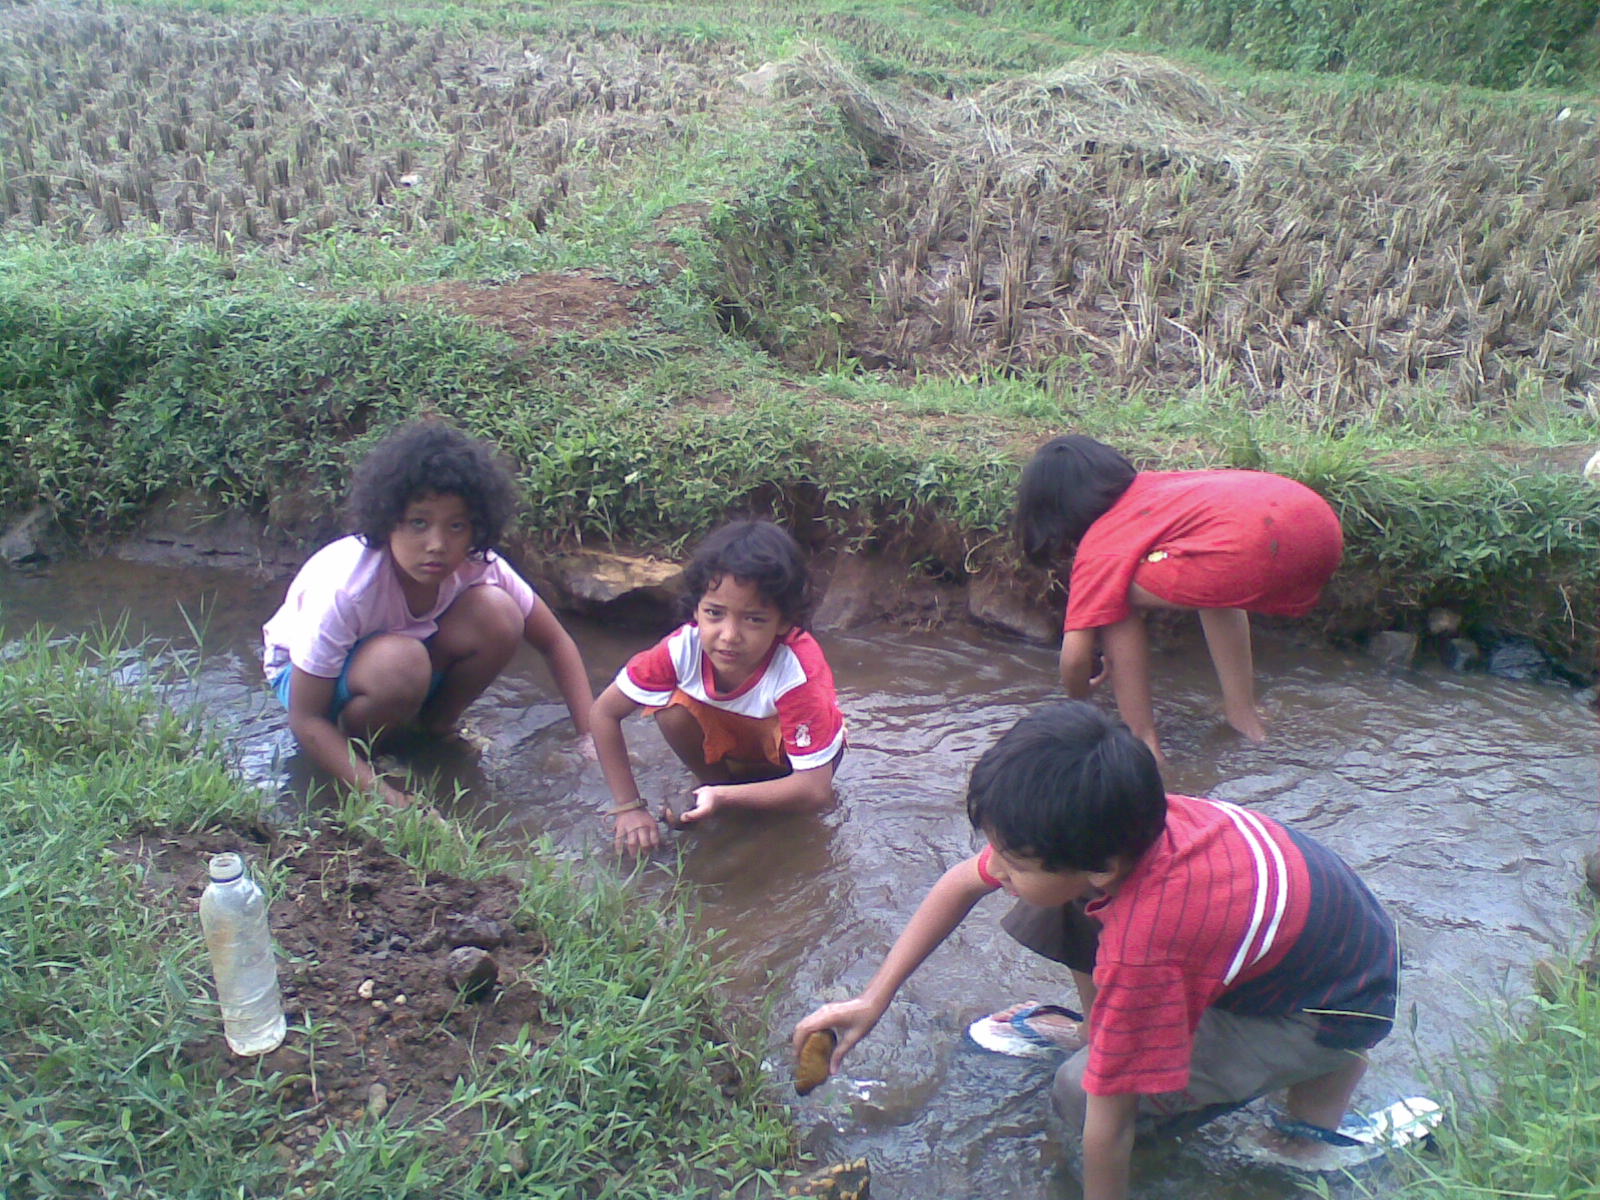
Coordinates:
364 948
538 308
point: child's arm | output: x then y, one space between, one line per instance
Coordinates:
1077 662
810 790
545 633
942 909
1108 1145
636 828
310 698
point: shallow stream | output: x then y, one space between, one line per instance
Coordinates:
1466 802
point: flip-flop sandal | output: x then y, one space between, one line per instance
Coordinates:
1016 1036
1358 1139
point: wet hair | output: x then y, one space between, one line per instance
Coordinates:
430 458
1065 487
1070 786
760 553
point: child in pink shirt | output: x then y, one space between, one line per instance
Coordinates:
405 622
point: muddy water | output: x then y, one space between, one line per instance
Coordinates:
1466 802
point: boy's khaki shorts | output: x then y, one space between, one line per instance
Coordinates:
1236 1058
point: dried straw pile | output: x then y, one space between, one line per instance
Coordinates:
1125 219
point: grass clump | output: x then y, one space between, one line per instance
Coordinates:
1523 1118
649 1091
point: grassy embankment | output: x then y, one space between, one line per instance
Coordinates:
1385 290
106 992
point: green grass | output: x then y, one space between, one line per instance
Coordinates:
103 991
1523 1111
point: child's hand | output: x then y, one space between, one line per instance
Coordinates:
705 803
636 832
1098 672
851 1020
585 747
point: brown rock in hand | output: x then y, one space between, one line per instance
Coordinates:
473 971
814 1057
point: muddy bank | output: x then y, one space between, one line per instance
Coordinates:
366 957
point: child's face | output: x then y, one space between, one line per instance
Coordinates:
738 626
1026 879
432 538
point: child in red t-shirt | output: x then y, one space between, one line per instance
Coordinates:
1220 956
741 692
1224 543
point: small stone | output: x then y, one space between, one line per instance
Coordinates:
473 971
1393 648
380 1006
1442 621
1591 469
410 179
517 1158
431 941
400 999
377 1101
470 929
1460 654
366 989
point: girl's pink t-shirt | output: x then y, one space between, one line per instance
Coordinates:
348 590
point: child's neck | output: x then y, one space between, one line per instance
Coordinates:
420 597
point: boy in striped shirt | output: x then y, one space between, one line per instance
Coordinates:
1220 955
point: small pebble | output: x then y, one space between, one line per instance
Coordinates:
366 989
377 1100
400 999
473 971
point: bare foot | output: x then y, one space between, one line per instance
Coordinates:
1249 724
1305 1152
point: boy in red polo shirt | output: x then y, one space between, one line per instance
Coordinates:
1220 955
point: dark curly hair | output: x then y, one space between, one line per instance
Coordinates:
1070 786
761 553
1068 484
430 458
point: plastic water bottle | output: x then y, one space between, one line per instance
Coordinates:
233 913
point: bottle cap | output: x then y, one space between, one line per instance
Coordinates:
226 867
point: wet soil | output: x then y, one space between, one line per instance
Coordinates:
376 1024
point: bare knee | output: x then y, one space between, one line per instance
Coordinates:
483 619
388 682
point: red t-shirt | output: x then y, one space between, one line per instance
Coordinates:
793 690
1206 539
1230 908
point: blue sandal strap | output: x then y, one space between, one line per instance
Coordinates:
1294 1127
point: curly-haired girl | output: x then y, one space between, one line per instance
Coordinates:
406 621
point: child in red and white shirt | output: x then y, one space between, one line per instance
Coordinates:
741 692
1223 543
1220 956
